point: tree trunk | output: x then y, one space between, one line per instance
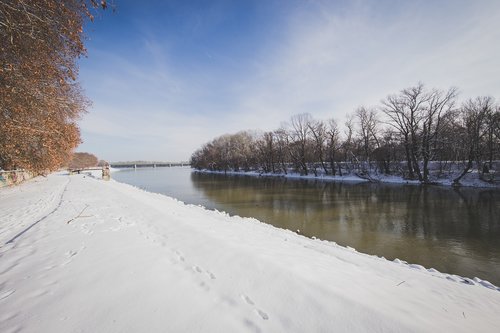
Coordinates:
456 181
411 175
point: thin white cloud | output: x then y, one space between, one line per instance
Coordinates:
332 62
330 59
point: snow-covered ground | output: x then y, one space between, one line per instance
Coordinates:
469 180
78 254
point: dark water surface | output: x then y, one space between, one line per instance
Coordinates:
453 230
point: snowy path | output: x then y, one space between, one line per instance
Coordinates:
135 261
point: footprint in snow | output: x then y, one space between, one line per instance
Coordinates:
179 255
259 312
199 270
262 314
247 299
71 253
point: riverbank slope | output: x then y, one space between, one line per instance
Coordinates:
471 179
81 254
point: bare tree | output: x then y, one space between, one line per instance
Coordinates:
438 104
387 151
493 134
333 143
367 130
282 148
240 151
472 127
299 135
320 136
348 144
425 126
266 147
496 124
405 114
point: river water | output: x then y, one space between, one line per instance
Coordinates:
452 230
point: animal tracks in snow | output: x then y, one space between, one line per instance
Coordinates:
87 229
207 273
262 314
180 257
250 302
202 277
247 299
71 254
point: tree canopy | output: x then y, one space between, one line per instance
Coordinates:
83 160
40 98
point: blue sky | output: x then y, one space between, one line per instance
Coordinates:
167 76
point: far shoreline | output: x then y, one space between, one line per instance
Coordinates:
384 179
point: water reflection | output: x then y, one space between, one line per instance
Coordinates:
452 230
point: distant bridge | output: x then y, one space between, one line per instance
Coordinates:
147 164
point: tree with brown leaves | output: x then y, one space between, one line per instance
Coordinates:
83 160
40 99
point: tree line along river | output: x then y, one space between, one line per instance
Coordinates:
452 230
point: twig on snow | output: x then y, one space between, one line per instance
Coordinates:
79 215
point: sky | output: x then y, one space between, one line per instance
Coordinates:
165 77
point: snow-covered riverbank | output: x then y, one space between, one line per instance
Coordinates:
81 254
469 180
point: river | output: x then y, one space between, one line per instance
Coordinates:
452 230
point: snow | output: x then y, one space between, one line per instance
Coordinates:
289 175
82 254
470 180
